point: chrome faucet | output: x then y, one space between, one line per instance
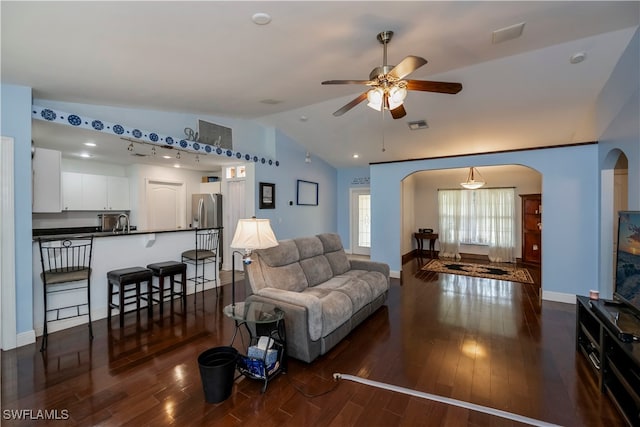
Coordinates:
120 225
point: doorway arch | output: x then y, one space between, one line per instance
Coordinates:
614 191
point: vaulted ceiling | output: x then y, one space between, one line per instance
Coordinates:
211 58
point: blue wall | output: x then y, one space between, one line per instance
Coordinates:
570 214
619 113
290 220
348 178
16 123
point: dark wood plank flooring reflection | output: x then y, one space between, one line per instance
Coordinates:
483 341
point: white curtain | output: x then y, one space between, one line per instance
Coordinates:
481 217
501 224
449 205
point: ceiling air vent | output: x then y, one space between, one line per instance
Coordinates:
418 124
507 33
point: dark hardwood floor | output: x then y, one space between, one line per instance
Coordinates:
477 340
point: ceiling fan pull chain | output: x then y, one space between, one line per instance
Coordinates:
382 122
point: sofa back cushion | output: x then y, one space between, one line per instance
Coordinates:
281 268
334 252
315 265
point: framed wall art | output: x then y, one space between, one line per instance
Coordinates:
267 195
307 193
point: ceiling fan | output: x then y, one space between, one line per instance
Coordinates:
388 89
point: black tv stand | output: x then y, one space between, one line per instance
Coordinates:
615 363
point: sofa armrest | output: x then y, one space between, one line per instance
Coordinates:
299 343
362 264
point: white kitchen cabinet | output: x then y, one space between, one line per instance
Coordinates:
87 192
118 193
94 192
71 191
210 187
47 181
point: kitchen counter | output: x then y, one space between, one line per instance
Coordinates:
95 231
112 252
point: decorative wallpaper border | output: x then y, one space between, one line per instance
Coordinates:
75 120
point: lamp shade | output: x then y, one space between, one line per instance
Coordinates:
473 183
253 233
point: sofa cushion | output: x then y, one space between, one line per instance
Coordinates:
334 252
280 267
316 269
287 277
358 291
309 247
285 253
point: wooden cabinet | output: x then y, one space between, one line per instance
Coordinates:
89 192
531 228
47 185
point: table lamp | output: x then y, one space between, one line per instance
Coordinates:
251 233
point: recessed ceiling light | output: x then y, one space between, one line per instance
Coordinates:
577 58
90 144
304 118
85 155
356 155
166 157
177 165
261 18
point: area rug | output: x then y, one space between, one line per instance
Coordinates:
487 271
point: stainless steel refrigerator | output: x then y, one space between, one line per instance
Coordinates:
206 210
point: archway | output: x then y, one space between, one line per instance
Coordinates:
614 191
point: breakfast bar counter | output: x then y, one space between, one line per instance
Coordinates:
111 252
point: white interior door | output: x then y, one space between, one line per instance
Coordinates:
237 210
361 221
166 205
8 333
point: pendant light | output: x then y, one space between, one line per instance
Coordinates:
474 180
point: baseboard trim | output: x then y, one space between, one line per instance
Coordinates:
558 297
25 338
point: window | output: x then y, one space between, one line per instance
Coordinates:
236 172
478 217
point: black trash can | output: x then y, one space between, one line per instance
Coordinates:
217 370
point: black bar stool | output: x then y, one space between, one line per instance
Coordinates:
170 269
124 279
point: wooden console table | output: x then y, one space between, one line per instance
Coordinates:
420 237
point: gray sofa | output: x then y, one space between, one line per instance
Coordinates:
324 294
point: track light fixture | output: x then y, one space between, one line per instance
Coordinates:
130 147
178 155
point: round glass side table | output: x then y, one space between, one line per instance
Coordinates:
267 351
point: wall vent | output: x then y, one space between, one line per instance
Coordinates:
216 135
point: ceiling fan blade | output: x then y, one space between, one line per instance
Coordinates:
427 86
352 104
398 112
346 82
407 66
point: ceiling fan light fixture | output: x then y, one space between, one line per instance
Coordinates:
472 182
397 94
375 97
